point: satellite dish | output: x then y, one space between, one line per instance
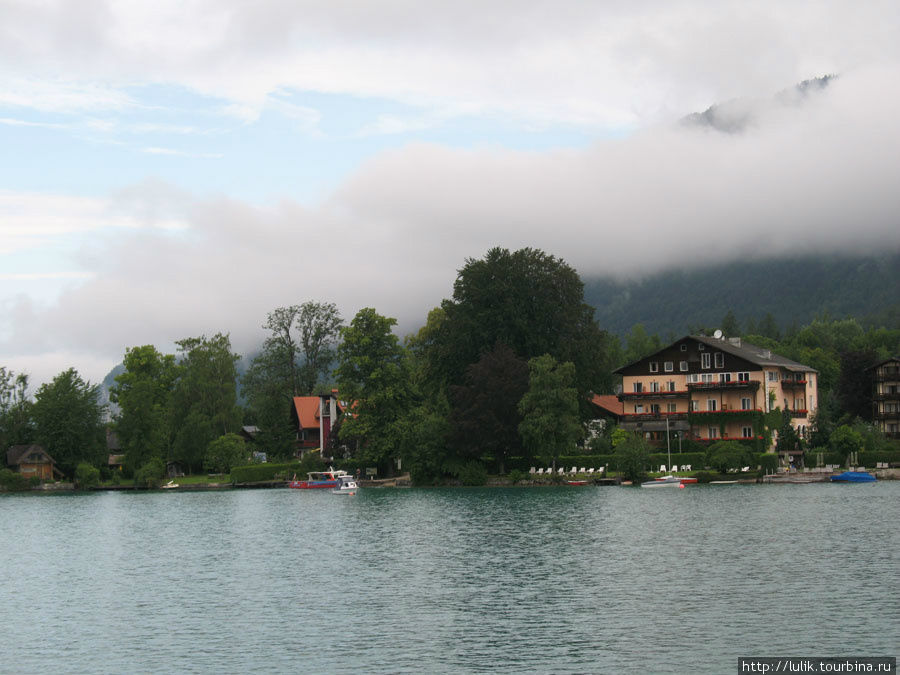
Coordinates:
717 334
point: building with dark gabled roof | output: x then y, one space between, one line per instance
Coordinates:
714 388
32 460
886 396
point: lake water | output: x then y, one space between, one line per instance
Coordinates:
546 580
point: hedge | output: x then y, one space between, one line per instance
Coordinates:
257 473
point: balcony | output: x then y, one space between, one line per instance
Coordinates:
798 414
743 385
655 417
887 375
887 415
793 384
887 396
644 395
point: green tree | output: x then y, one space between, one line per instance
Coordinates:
550 424
845 441
143 394
204 401
373 379
724 456
320 326
225 452
528 300
150 474
485 417
16 427
729 324
87 476
639 344
633 457
788 440
68 419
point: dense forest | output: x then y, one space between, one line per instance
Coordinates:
499 376
793 290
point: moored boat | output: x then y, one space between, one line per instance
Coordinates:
666 481
576 482
319 480
347 486
853 477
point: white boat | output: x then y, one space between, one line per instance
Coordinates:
347 486
668 481
171 484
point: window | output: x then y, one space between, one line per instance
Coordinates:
799 404
745 404
694 378
654 366
743 377
654 387
671 386
713 432
682 366
669 366
772 376
747 432
711 404
695 406
701 347
704 360
654 408
684 348
707 378
720 360
638 409
638 387
724 377
671 407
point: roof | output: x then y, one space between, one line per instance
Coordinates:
610 404
16 454
753 353
760 356
893 359
307 409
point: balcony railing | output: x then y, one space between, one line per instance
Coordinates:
643 395
887 374
792 384
887 415
798 414
887 396
748 385
655 417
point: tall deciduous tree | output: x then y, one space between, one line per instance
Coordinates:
15 409
143 393
68 418
320 326
485 416
528 300
372 378
549 409
204 402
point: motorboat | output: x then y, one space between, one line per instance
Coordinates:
317 480
171 484
576 482
683 479
853 477
347 486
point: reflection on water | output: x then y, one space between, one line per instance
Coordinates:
447 580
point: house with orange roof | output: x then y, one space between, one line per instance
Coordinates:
314 418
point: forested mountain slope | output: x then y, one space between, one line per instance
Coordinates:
793 290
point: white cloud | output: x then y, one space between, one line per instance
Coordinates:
815 176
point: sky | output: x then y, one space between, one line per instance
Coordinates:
171 169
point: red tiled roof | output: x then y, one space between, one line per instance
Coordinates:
307 409
610 404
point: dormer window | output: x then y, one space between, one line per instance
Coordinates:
654 366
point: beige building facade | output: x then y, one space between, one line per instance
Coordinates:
708 389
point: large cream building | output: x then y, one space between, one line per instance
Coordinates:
713 388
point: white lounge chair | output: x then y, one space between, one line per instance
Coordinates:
674 468
745 469
532 470
662 468
591 470
561 470
686 467
582 470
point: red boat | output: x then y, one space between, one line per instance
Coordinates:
318 480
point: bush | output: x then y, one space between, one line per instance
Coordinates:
12 481
87 476
632 458
472 474
224 452
767 462
150 475
516 476
727 455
